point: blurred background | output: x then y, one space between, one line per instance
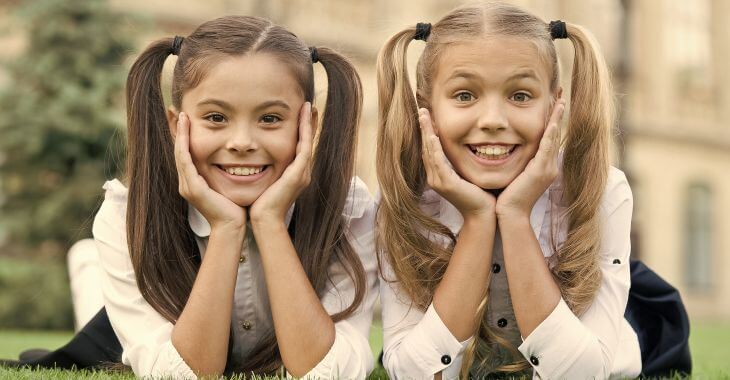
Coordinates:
62 122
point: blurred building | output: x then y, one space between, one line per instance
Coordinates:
669 61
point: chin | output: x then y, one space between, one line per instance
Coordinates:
243 199
493 182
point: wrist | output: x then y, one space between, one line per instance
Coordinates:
229 229
267 223
513 216
480 217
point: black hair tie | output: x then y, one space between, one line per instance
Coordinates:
176 45
313 54
423 30
558 30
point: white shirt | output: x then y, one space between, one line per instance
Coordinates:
145 335
600 344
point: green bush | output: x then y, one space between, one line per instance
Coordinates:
62 123
34 294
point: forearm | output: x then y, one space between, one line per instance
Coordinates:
465 282
304 329
201 333
532 289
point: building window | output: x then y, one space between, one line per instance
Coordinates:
698 240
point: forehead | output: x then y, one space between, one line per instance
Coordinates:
247 79
492 59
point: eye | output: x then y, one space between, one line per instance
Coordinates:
521 97
270 119
464 97
216 118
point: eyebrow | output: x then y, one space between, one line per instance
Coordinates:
462 74
520 74
272 103
523 74
215 102
228 107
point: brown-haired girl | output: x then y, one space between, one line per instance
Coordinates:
505 244
235 245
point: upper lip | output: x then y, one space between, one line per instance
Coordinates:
226 166
474 145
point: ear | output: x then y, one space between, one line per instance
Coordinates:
172 116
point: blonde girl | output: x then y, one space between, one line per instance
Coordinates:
505 243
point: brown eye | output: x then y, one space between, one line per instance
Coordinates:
270 119
464 97
216 118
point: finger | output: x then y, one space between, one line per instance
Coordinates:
424 121
305 129
550 142
440 161
187 173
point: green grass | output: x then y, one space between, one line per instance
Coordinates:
708 343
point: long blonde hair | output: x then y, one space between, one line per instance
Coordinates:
404 229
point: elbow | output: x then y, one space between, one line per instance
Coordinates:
349 357
594 362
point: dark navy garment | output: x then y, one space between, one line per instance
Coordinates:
657 314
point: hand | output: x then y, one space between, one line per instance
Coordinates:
218 210
520 196
469 199
278 198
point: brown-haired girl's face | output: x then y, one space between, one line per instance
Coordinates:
490 102
244 124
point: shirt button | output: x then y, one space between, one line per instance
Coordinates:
533 360
616 261
446 359
496 268
246 325
502 322
242 259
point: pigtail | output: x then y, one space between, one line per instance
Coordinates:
585 170
157 232
418 262
320 228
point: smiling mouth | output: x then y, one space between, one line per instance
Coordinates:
492 152
243 171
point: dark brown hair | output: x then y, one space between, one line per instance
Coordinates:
161 245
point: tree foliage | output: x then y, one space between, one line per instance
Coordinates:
62 121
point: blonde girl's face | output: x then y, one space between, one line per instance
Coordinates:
490 103
244 124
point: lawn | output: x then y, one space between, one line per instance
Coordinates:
708 342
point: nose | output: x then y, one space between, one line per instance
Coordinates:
242 139
492 117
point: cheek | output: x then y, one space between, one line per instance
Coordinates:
452 128
282 146
202 144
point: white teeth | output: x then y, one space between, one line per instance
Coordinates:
493 151
243 171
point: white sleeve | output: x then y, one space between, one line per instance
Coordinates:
564 346
144 334
416 344
350 356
